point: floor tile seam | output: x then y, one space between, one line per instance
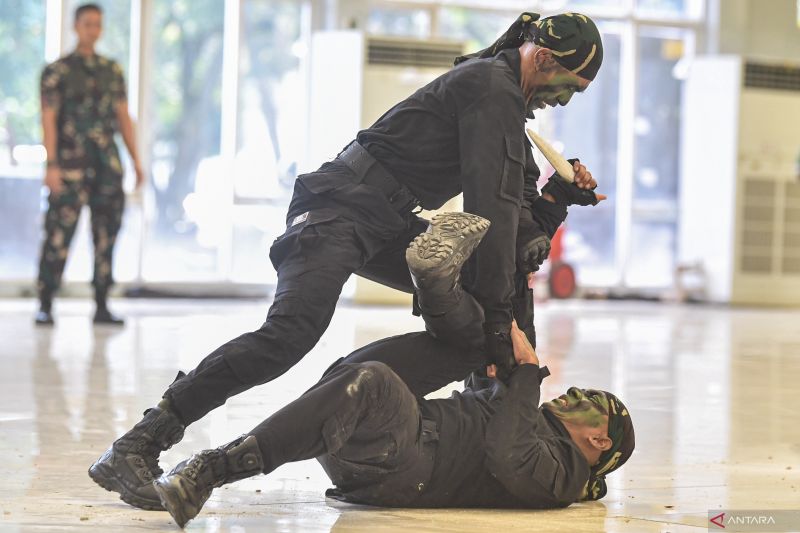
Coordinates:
270 504
768 483
651 520
639 489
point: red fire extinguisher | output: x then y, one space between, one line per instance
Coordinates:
561 280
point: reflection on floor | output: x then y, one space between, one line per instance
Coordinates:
713 393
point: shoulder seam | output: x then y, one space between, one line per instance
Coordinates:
494 71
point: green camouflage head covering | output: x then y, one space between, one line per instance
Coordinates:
573 38
620 431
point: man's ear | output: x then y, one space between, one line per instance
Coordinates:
543 59
601 442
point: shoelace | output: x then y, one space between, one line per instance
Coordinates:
194 465
145 472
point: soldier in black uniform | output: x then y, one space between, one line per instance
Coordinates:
463 132
381 444
83 105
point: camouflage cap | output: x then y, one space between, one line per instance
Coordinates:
573 38
620 431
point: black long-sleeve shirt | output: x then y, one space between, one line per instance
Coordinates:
498 448
464 132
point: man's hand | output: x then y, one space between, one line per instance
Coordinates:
581 192
524 353
141 177
532 254
583 178
500 351
523 350
52 178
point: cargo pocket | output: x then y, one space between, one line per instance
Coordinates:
512 181
290 240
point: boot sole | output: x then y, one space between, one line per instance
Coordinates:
173 498
450 240
106 478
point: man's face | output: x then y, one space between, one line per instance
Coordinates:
88 27
585 407
556 88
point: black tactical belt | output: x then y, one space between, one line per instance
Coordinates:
372 173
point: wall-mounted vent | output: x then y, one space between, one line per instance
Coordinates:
412 53
791 229
757 234
764 76
769 236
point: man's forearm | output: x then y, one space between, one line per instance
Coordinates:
538 471
128 136
49 133
549 215
517 415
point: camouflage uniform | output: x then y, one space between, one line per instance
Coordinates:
85 92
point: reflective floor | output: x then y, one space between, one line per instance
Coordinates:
714 394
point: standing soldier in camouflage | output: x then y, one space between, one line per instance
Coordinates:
83 105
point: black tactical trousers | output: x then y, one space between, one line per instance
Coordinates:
314 258
364 426
362 419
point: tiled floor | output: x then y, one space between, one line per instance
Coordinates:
714 394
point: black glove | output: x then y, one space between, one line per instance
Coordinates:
567 193
501 353
532 254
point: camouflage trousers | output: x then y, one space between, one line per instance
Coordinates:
100 186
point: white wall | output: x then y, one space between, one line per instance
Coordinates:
709 126
759 28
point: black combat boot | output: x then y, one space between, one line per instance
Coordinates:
131 464
189 485
102 315
435 259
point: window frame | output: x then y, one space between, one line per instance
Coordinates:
318 13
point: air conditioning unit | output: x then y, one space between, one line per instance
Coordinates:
356 78
740 188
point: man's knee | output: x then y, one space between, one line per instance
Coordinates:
293 326
378 370
369 376
297 321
